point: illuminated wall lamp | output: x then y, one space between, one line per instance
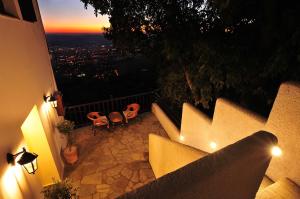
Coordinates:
27 160
51 99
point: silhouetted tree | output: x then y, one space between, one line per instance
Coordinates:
211 48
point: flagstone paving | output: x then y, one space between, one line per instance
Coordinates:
115 160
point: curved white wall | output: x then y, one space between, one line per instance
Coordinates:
284 122
231 123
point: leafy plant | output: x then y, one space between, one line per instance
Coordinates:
60 190
66 127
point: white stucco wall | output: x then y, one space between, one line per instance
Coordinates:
166 155
195 128
25 76
284 122
231 123
170 128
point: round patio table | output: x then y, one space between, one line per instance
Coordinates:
115 117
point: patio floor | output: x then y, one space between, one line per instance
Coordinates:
114 161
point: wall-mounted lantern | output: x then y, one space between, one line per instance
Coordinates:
51 99
27 160
56 102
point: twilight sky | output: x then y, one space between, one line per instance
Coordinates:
70 16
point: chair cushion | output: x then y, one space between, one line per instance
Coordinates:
282 189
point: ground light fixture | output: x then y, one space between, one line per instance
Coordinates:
51 99
213 145
276 151
181 137
27 160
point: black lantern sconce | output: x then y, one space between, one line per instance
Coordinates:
27 160
51 99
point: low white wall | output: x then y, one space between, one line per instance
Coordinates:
284 122
166 156
195 128
231 123
172 131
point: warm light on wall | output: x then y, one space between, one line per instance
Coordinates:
213 145
46 107
276 151
10 184
181 138
36 140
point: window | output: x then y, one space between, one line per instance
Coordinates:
27 10
2 11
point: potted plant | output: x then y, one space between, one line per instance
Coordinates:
60 190
70 154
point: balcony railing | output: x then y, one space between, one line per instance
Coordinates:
78 113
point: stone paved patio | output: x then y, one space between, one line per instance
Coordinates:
114 161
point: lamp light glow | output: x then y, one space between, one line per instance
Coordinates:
276 151
51 99
181 137
213 145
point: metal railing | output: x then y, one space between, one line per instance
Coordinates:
78 113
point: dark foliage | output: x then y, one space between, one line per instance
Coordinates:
206 49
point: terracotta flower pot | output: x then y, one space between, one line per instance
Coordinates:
70 154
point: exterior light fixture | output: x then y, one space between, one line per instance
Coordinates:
51 99
28 160
276 151
213 145
181 138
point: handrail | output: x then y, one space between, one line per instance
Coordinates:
77 113
117 98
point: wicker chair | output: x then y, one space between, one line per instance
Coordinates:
131 111
98 119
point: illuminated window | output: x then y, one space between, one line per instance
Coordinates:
27 10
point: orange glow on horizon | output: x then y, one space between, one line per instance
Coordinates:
76 25
69 16
80 25
74 29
